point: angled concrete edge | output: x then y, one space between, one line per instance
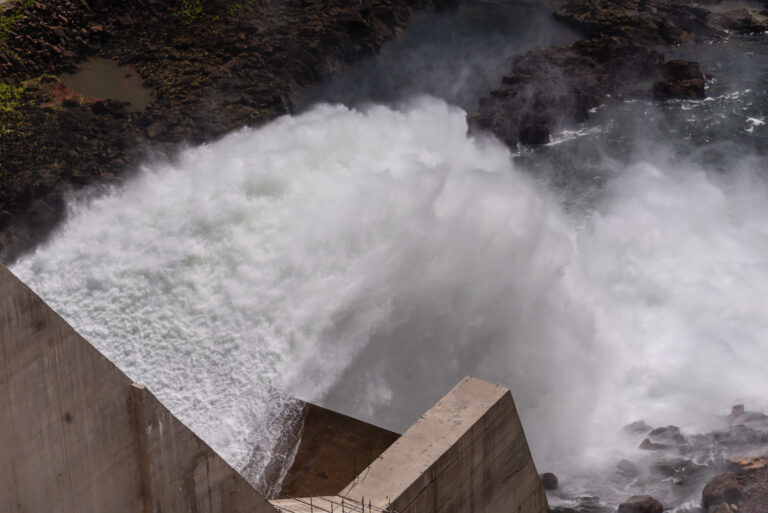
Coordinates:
467 453
76 435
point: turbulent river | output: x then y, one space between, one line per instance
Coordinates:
368 256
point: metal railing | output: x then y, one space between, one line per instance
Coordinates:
334 504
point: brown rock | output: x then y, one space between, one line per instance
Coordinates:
641 504
722 488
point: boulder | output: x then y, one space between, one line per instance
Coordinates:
669 435
682 80
627 468
722 488
548 481
641 504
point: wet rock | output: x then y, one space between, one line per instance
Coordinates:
682 80
722 488
742 21
647 445
680 470
550 88
534 135
637 428
670 435
641 504
720 508
627 468
548 481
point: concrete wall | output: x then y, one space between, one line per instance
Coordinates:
466 454
77 436
333 448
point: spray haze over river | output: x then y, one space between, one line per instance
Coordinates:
366 257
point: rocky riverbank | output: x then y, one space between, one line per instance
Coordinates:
551 88
216 65
722 471
213 65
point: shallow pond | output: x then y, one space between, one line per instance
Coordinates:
104 78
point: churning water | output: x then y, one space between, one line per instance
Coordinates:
368 259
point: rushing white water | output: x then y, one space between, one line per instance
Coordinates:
368 260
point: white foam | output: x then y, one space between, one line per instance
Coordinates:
368 260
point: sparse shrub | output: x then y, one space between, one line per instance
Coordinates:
8 19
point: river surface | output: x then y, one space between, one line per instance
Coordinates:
366 254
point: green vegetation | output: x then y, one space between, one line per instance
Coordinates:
191 9
10 100
8 19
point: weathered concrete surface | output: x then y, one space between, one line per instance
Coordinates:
77 436
333 449
467 453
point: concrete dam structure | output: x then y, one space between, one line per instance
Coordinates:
78 436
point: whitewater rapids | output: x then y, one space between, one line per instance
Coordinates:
368 259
